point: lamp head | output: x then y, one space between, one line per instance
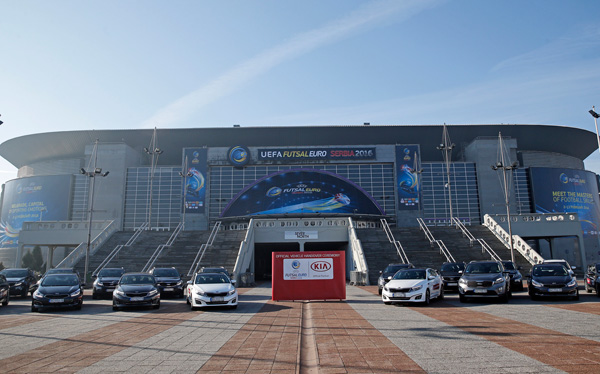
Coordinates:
82 171
592 112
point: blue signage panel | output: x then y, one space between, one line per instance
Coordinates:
302 191
195 165
313 154
567 190
33 199
407 177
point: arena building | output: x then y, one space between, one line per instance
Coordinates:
160 178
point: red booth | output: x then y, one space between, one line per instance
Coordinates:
309 275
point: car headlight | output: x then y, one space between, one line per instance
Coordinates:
572 283
462 282
153 292
76 293
200 293
38 294
118 292
416 288
231 292
536 283
98 283
499 280
180 283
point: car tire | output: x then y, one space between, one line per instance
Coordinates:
33 308
5 302
156 306
379 291
587 289
441 295
427 298
462 298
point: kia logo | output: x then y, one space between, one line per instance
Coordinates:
320 266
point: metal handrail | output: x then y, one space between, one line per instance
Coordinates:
444 250
118 248
80 251
396 243
521 246
161 247
464 230
202 249
486 247
428 233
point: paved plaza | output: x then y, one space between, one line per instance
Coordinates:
358 335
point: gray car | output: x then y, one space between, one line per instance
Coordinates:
484 279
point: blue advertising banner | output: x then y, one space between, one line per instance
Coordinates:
567 190
195 166
302 191
407 177
329 153
33 199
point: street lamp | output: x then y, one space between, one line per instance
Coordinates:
596 116
93 173
446 149
502 165
154 151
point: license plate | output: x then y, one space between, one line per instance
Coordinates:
399 294
480 290
110 289
216 298
168 289
137 299
57 300
554 289
452 284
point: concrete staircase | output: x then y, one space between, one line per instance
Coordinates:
379 252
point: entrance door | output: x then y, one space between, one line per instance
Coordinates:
262 257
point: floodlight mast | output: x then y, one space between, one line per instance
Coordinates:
596 116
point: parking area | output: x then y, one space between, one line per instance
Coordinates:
359 335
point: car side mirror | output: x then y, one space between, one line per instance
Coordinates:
189 282
233 282
573 267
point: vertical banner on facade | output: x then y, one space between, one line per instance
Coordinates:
309 275
196 168
407 176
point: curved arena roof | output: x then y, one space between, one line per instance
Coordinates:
33 148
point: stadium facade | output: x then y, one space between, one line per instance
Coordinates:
204 175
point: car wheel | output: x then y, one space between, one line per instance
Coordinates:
33 308
462 298
576 297
379 291
427 298
156 306
441 295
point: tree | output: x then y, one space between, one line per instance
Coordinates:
34 260
1 266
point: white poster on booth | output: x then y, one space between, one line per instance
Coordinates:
296 235
307 268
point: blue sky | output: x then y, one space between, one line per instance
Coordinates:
73 65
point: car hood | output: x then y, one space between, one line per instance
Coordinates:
482 277
404 283
16 280
49 290
215 287
108 279
167 279
137 287
451 273
562 279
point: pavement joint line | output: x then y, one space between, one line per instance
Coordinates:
309 357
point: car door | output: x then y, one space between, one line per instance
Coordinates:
434 282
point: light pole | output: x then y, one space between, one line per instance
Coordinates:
596 116
154 151
504 165
93 173
185 174
446 147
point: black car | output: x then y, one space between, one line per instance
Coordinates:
484 279
106 282
168 281
553 280
4 290
389 271
60 271
451 273
135 290
516 278
58 290
21 281
591 279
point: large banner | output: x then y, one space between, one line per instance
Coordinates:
302 191
567 190
313 154
309 275
33 199
194 192
407 177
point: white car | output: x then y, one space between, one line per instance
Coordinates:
211 289
413 286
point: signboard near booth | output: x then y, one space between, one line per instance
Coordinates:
309 275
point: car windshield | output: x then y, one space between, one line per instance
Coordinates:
411 274
137 279
166 273
214 270
482 268
453 267
394 268
509 265
15 273
549 271
211 278
60 280
59 271
112 273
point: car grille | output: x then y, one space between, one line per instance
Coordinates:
136 294
167 284
56 295
561 285
110 283
480 283
451 279
213 294
399 290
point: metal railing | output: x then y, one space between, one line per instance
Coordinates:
522 247
486 247
118 248
445 251
79 252
361 269
428 233
396 243
465 231
202 249
241 270
161 247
